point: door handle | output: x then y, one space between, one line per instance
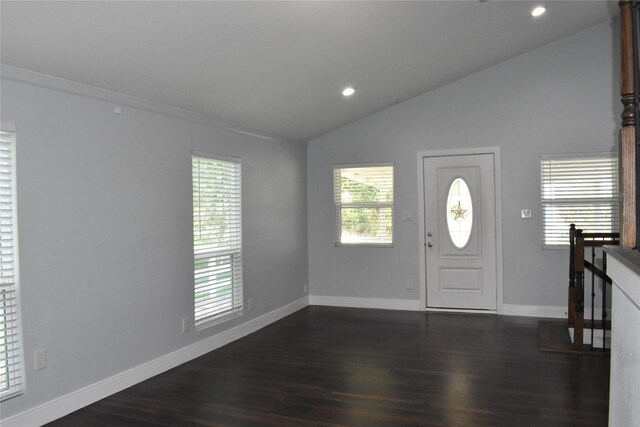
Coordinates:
430 244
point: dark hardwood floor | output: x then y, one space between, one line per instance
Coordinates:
340 366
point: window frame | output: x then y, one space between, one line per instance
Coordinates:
17 360
613 201
338 206
234 251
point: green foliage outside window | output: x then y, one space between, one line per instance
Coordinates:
365 199
360 221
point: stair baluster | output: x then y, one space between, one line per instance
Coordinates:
571 309
578 328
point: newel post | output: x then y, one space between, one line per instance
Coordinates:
628 178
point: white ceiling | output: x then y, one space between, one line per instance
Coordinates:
278 67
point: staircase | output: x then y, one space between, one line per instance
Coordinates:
575 335
601 338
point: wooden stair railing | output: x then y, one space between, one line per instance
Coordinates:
577 265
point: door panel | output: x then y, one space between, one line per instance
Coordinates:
461 233
460 279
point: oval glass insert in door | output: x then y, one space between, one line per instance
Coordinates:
459 213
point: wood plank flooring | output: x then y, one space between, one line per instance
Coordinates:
325 366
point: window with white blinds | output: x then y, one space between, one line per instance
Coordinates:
11 351
578 189
363 196
217 238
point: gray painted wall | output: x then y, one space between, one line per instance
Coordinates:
104 205
560 98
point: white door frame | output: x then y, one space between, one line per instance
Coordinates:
498 195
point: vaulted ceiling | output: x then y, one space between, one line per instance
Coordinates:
278 68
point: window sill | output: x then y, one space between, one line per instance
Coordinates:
363 245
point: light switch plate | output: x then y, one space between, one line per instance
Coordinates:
40 359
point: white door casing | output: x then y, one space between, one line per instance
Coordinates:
462 273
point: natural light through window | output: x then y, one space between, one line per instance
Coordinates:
363 198
578 189
459 213
217 238
11 353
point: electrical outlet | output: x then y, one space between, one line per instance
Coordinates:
525 214
409 283
39 359
185 324
250 304
306 289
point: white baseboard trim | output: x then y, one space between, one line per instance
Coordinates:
548 311
78 399
460 310
354 302
557 312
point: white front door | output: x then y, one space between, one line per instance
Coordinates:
460 227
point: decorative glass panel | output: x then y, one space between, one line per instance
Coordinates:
459 213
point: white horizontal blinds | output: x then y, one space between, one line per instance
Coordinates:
578 189
363 197
217 238
11 370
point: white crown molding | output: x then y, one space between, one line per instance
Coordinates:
22 75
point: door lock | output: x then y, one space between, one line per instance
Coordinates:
430 244
430 234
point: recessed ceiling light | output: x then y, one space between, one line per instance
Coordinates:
538 11
348 91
